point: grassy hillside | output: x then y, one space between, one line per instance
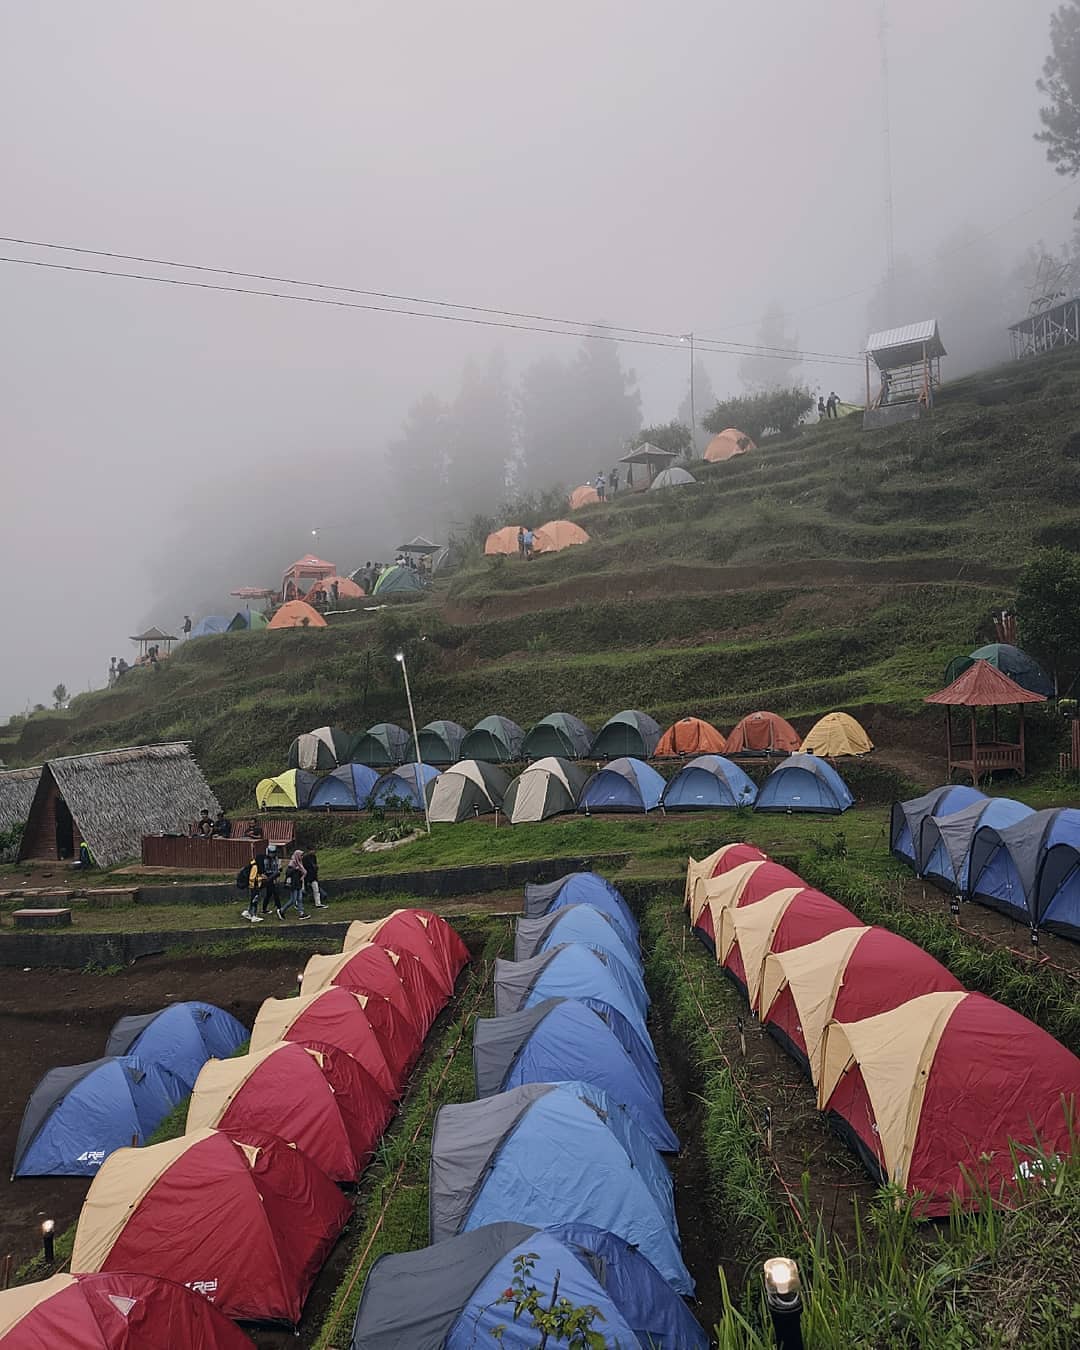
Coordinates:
836 568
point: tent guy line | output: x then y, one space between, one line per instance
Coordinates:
672 342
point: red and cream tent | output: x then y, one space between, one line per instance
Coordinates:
419 933
851 974
314 1096
716 863
371 969
785 919
112 1312
742 885
947 1088
247 1221
366 1026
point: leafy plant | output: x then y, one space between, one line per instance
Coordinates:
561 1320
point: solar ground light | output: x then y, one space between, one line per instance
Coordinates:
48 1239
783 1295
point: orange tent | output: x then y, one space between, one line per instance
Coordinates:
346 588
728 444
690 736
763 733
502 541
557 535
297 614
583 496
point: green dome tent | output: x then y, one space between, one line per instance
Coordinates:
628 733
557 734
397 581
550 787
440 743
494 740
1022 669
322 749
467 789
381 746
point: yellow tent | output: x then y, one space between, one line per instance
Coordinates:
279 791
837 734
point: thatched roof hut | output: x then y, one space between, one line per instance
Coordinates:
17 788
111 799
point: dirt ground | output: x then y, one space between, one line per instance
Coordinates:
51 1017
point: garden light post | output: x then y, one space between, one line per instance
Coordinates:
784 1299
48 1239
421 786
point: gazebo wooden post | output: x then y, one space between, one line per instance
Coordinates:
948 741
974 751
996 736
1023 757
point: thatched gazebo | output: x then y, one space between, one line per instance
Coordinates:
983 686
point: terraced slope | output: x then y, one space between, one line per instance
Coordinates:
834 569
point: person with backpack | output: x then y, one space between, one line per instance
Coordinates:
247 883
295 877
311 868
269 869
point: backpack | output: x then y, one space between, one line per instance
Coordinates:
243 877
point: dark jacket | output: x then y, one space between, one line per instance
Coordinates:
269 864
311 866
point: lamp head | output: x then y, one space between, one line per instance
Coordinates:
399 656
782 1279
48 1226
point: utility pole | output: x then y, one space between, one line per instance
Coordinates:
689 337
890 239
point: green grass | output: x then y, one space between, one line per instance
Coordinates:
392 1212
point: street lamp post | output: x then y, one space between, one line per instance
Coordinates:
689 337
421 786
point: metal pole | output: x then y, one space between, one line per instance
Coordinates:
420 785
693 410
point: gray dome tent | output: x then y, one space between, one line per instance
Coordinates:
673 477
321 749
440 742
494 740
629 733
467 789
550 787
382 746
558 734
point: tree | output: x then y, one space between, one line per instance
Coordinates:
704 398
775 412
673 436
417 462
481 438
608 406
762 371
546 401
60 696
1048 612
1061 84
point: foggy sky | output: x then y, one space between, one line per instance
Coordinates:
673 167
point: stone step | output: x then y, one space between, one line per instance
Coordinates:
42 918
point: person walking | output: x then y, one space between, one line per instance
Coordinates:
112 672
187 626
254 878
310 860
269 865
832 404
527 544
822 411
521 541
601 487
615 482
295 877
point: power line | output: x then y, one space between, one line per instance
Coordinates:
671 341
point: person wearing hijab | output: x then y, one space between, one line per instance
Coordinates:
295 877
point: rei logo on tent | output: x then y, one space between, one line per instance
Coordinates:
122 1305
93 1156
208 1288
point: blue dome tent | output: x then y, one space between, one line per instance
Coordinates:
552 1153
622 785
562 1038
346 789
804 783
1031 870
211 624
907 817
582 888
80 1113
945 841
447 1296
402 783
572 971
181 1037
707 782
575 923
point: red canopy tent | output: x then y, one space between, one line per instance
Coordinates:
984 686
303 572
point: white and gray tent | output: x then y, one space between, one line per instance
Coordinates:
468 788
550 787
321 749
673 477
